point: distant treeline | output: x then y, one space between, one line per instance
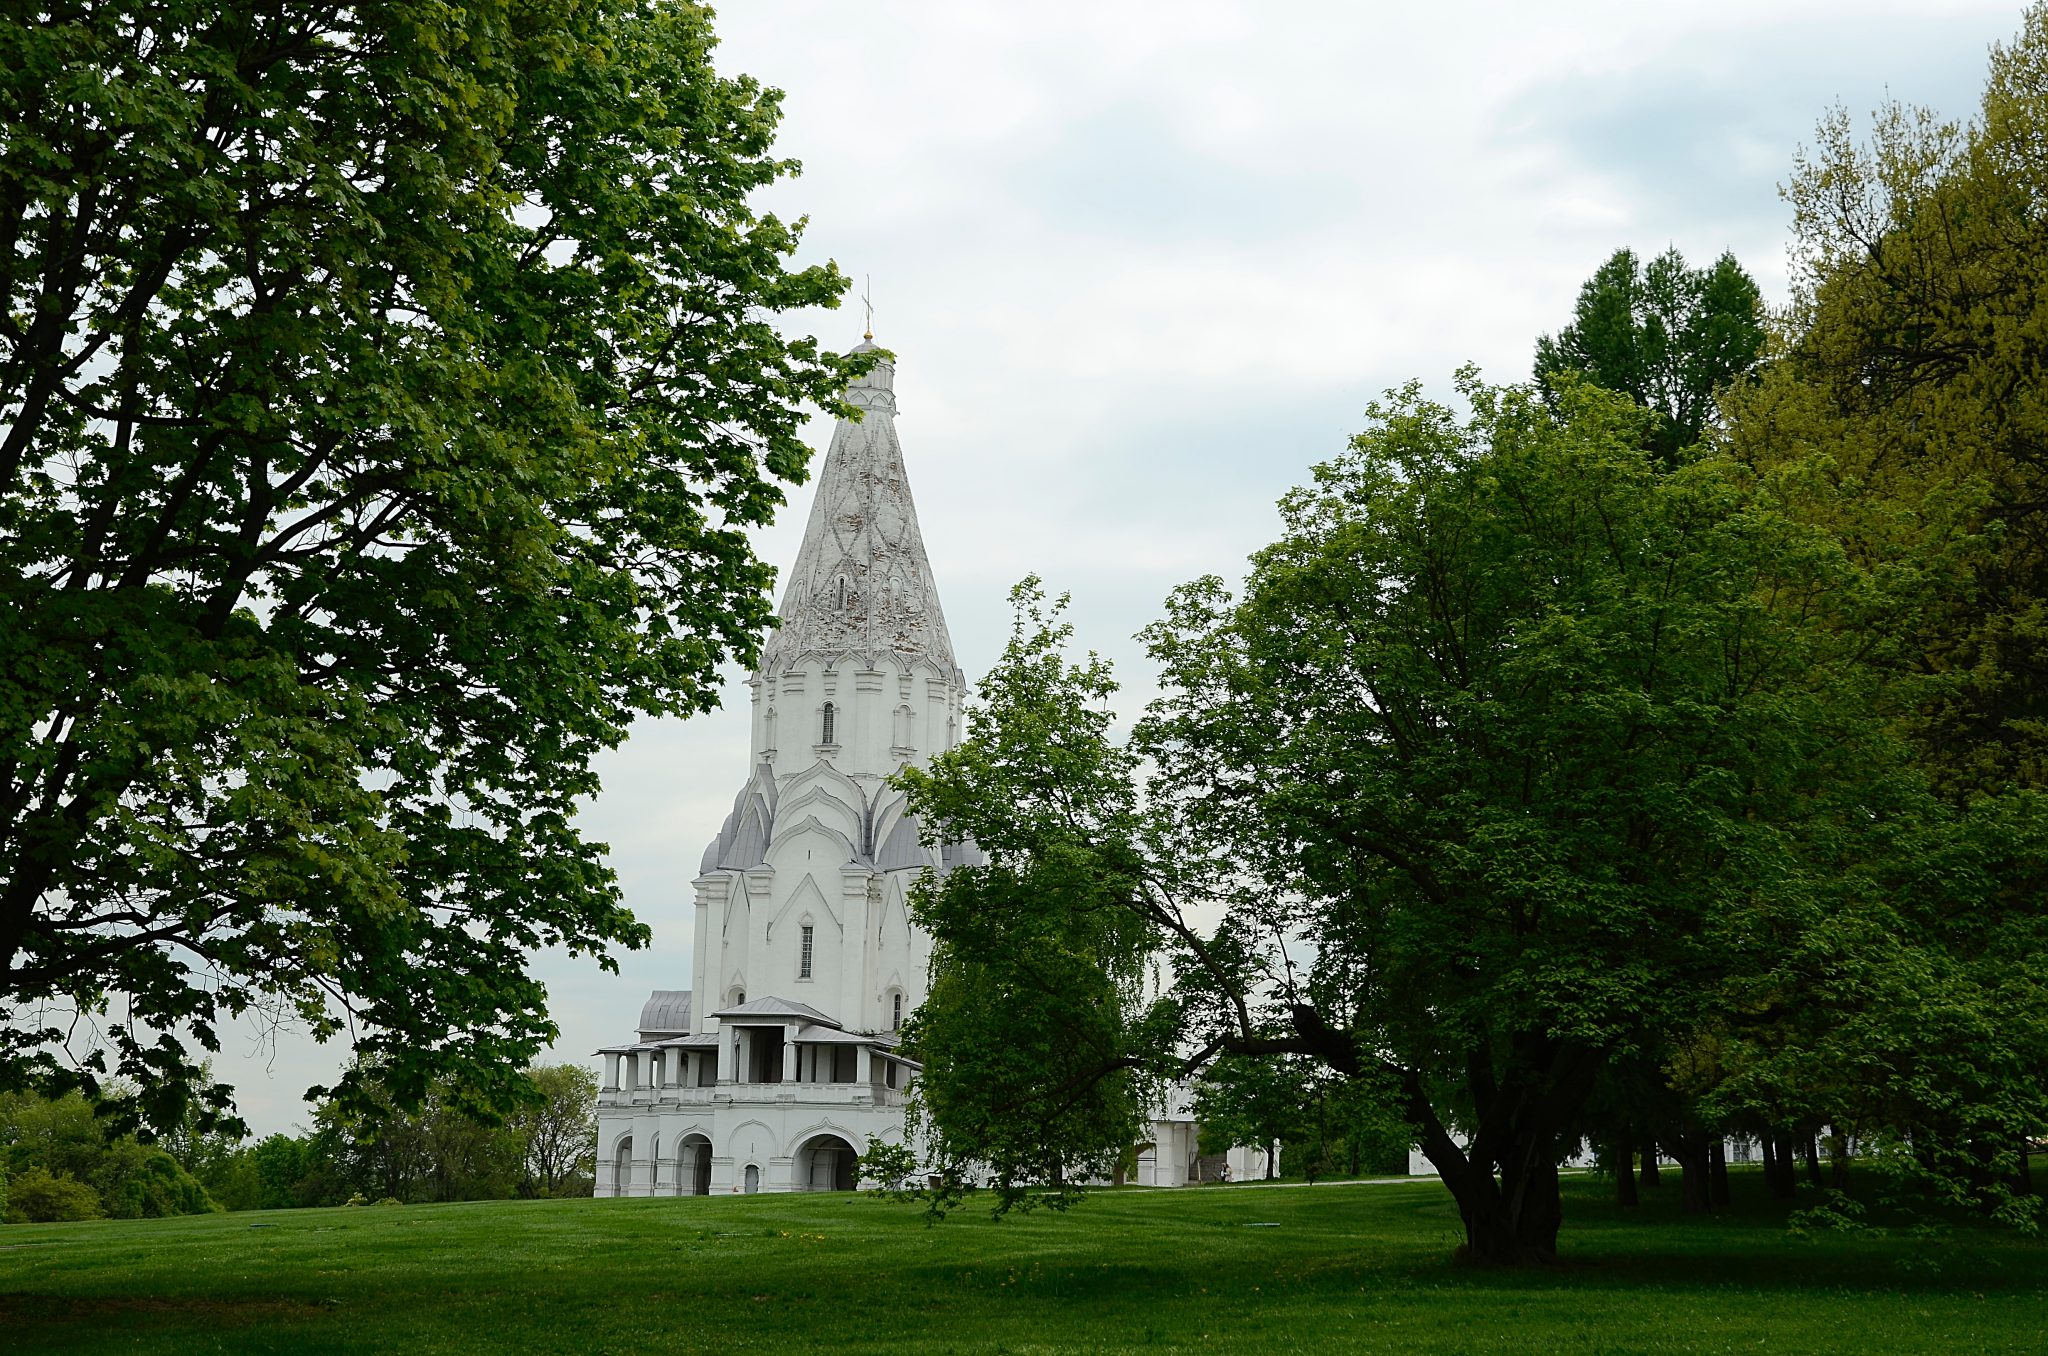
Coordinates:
61 1161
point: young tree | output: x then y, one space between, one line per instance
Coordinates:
385 394
1258 1103
1038 1033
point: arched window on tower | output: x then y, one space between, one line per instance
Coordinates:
896 1013
829 713
842 593
804 950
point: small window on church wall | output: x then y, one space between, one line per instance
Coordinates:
829 713
896 1015
803 963
842 591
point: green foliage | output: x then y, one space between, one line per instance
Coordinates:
444 1152
38 1196
1038 1032
890 1168
1514 716
1906 419
1668 335
440 1152
61 1134
141 1181
1327 1124
281 1164
1911 398
387 391
558 1129
59 1147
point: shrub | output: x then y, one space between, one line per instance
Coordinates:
39 1196
141 1181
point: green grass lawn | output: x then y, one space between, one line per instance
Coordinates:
1253 1269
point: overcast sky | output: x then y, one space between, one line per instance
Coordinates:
1142 264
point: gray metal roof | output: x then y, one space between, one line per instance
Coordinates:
666 1013
772 1009
703 1040
831 1035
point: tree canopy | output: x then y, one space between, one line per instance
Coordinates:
1666 334
385 391
1510 737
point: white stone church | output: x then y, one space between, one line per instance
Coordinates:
780 1063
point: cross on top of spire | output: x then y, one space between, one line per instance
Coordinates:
867 300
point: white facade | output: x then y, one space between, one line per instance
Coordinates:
778 1065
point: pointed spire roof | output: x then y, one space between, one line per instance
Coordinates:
861 583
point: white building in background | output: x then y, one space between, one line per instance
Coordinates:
779 1064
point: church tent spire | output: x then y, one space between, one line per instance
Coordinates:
861 583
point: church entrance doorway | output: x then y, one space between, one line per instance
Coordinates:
622 1167
825 1163
753 1179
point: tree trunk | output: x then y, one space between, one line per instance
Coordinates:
1781 1173
1652 1178
1512 1222
1838 1161
1272 1160
1692 1173
2023 1172
1717 1172
1625 1174
1511 1219
1812 1151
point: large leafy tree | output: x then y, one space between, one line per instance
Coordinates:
1669 335
1512 738
1911 392
385 390
1907 418
1511 724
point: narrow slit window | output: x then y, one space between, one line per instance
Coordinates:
803 962
829 713
896 1016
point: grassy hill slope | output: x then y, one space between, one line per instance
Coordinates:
1240 1269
